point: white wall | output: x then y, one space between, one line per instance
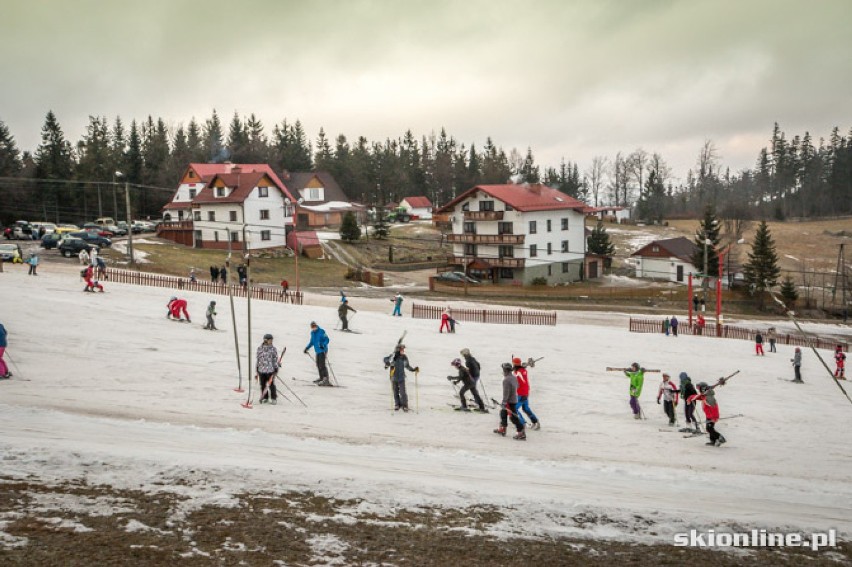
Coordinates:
252 206
663 269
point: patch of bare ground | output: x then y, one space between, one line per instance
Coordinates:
98 525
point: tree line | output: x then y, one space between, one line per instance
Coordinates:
795 177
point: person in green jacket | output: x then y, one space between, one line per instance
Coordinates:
637 379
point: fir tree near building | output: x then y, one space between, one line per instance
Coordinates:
349 229
599 243
788 292
761 271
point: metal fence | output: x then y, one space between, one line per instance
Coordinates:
174 282
504 316
732 332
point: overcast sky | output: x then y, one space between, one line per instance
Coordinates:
568 78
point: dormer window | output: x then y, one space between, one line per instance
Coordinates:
220 191
263 191
192 193
655 248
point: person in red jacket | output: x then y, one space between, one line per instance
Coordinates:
176 307
445 321
707 397
524 394
840 360
88 274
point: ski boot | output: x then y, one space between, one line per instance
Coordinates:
500 431
274 402
721 440
520 435
480 410
405 408
325 383
536 426
462 408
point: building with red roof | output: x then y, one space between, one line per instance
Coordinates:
518 233
418 206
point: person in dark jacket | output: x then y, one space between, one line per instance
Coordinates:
674 325
509 404
341 312
687 390
468 385
319 342
398 363
214 274
707 397
267 367
758 344
473 367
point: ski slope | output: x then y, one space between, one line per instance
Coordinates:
117 394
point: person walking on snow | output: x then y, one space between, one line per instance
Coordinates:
33 263
707 397
319 342
445 321
524 394
267 368
4 370
91 284
211 312
341 312
468 386
674 325
667 325
797 365
758 344
398 364
637 379
397 305
687 390
668 391
176 307
771 336
509 405
840 361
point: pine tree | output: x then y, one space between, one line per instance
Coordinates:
118 147
652 201
529 170
349 229
323 158
600 243
134 155
237 140
194 145
708 229
258 146
95 154
10 157
761 271
54 157
380 227
214 150
788 292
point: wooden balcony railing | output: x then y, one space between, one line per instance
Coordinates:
504 262
485 238
483 215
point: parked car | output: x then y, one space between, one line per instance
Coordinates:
93 238
72 246
97 229
22 230
48 227
122 225
116 230
66 228
7 251
458 277
51 240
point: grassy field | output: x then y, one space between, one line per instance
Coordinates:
410 242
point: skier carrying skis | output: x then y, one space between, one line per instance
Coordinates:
524 394
398 363
468 386
319 342
637 379
797 365
840 360
397 305
341 312
211 312
267 367
509 404
176 307
668 391
687 390
711 410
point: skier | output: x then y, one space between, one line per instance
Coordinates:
341 312
468 386
267 367
398 363
509 405
674 325
669 392
211 312
797 365
772 337
687 390
758 344
88 274
472 366
637 379
397 305
711 411
445 321
319 342
451 319
4 370
176 307
840 360
524 394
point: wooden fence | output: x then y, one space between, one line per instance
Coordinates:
504 316
174 282
732 332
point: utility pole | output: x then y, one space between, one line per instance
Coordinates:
129 222
841 279
705 282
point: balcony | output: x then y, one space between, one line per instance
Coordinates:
483 215
505 239
504 262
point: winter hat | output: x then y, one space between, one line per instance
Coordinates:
267 337
517 361
710 397
684 377
399 347
212 303
313 323
466 351
456 362
507 367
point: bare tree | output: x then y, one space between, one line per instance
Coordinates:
595 178
637 165
618 185
661 169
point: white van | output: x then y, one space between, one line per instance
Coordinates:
105 221
49 227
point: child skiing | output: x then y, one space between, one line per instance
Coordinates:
687 390
509 404
468 386
267 367
341 312
176 307
319 342
397 305
445 321
637 379
840 361
473 367
668 391
707 397
398 363
524 393
797 365
211 312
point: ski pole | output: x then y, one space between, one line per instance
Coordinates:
331 369
484 393
416 392
283 383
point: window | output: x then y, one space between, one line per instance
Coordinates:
264 214
466 207
507 273
549 248
550 269
549 226
192 193
263 191
313 194
232 215
564 246
655 249
216 236
486 205
211 215
235 236
504 228
566 267
469 227
220 191
533 250
509 207
506 251
565 223
470 249
197 215
197 237
266 235
532 227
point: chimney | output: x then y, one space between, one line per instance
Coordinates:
236 169
535 188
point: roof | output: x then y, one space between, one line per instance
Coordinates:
332 206
206 171
298 180
418 202
241 185
680 247
525 198
605 209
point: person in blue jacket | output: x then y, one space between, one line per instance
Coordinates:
319 342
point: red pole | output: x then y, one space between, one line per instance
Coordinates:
689 297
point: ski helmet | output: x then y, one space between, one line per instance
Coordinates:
456 362
267 337
702 386
212 303
517 361
507 367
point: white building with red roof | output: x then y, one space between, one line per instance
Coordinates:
517 233
418 206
